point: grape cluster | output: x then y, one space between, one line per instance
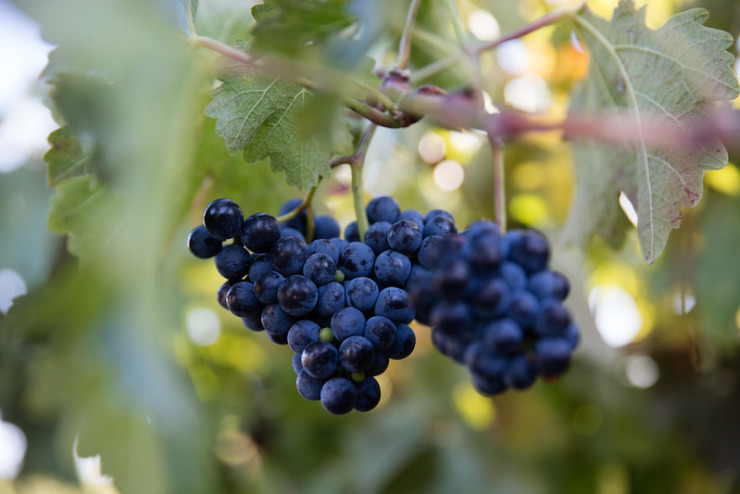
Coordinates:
339 304
494 305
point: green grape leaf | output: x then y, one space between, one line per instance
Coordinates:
276 120
68 157
671 74
289 26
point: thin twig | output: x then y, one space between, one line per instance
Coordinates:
499 185
357 164
404 46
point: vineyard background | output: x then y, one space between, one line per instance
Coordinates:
120 346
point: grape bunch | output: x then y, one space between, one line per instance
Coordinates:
495 306
337 303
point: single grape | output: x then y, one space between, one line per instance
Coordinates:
325 227
553 319
368 394
486 253
302 333
503 336
521 373
331 298
413 216
381 332
392 268
297 365
393 303
428 253
376 236
202 244
530 250
233 262
488 385
356 354
572 335
453 280
288 255
380 364
523 308
297 222
362 293
253 321
260 232
513 275
320 268
292 232
552 356
440 225
383 208
266 286
549 284
483 363
276 321
347 322
324 246
260 264
223 219
338 396
356 259
308 386
491 299
450 345
453 318
352 232
404 344
320 359
479 227
404 236
241 299
222 291
437 212
298 295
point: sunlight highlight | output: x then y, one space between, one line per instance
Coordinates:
616 314
483 25
641 371
449 175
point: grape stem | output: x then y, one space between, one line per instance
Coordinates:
404 46
356 163
499 185
546 20
305 204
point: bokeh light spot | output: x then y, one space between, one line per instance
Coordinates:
529 209
12 449
12 286
513 57
476 410
528 93
641 371
432 148
483 25
449 175
204 326
616 314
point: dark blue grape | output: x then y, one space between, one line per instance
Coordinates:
381 332
428 254
513 275
223 219
503 337
368 394
241 299
393 303
352 232
297 222
320 359
362 293
440 225
404 236
259 232
422 295
392 268
488 385
413 216
380 364
302 333
530 250
404 344
233 262
451 345
202 244
347 322
338 396
222 291
324 246
340 244
484 363
523 308
453 280
491 299
479 227
253 322
453 318
552 356
298 295
437 212
356 259
276 321
486 253
331 298
266 286
297 365
260 264
325 227
308 386
356 354
383 208
552 320
320 268
549 284
292 232
572 335
376 236
521 374
288 255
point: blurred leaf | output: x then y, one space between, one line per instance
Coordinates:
264 118
668 74
290 26
224 20
67 157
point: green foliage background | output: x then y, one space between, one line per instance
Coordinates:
98 349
